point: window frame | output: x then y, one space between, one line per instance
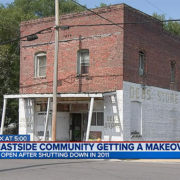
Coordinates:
37 65
141 63
136 119
173 71
96 120
79 61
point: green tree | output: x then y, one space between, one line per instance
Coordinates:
172 26
9 80
103 5
10 17
46 8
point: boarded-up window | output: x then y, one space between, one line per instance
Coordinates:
95 135
43 106
136 118
63 107
79 107
173 71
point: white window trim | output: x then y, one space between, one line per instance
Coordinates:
79 61
36 64
96 119
137 133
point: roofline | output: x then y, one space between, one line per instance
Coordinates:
74 15
87 13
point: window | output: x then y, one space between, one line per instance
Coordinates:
136 119
40 64
141 63
83 61
97 119
173 71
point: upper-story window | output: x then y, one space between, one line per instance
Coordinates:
173 64
83 61
141 63
40 64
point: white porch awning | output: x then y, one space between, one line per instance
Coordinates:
17 96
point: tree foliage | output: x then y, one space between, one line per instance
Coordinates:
10 17
171 26
46 8
103 5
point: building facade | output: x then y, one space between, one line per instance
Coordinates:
123 79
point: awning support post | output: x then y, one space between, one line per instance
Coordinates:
89 118
3 115
47 120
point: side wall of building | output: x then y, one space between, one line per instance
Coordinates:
152 112
159 47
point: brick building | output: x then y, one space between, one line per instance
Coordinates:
130 72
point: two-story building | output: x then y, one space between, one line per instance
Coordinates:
127 75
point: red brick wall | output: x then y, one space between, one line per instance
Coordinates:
105 44
160 49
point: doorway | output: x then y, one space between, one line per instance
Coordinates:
75 126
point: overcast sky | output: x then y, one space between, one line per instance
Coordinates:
169 7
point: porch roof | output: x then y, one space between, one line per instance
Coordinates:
17 96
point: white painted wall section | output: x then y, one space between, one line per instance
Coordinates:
160 112
26 117
62 126
113 119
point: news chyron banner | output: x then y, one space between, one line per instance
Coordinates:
14 138
89 150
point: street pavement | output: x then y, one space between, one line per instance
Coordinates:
156 160
57 169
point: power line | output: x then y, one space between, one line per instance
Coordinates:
132 32
43 31
139 22
36 66
49 29
97 14
158 8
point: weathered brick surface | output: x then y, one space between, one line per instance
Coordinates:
160 49
105 44
114 52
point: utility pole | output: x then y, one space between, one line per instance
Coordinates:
55 70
